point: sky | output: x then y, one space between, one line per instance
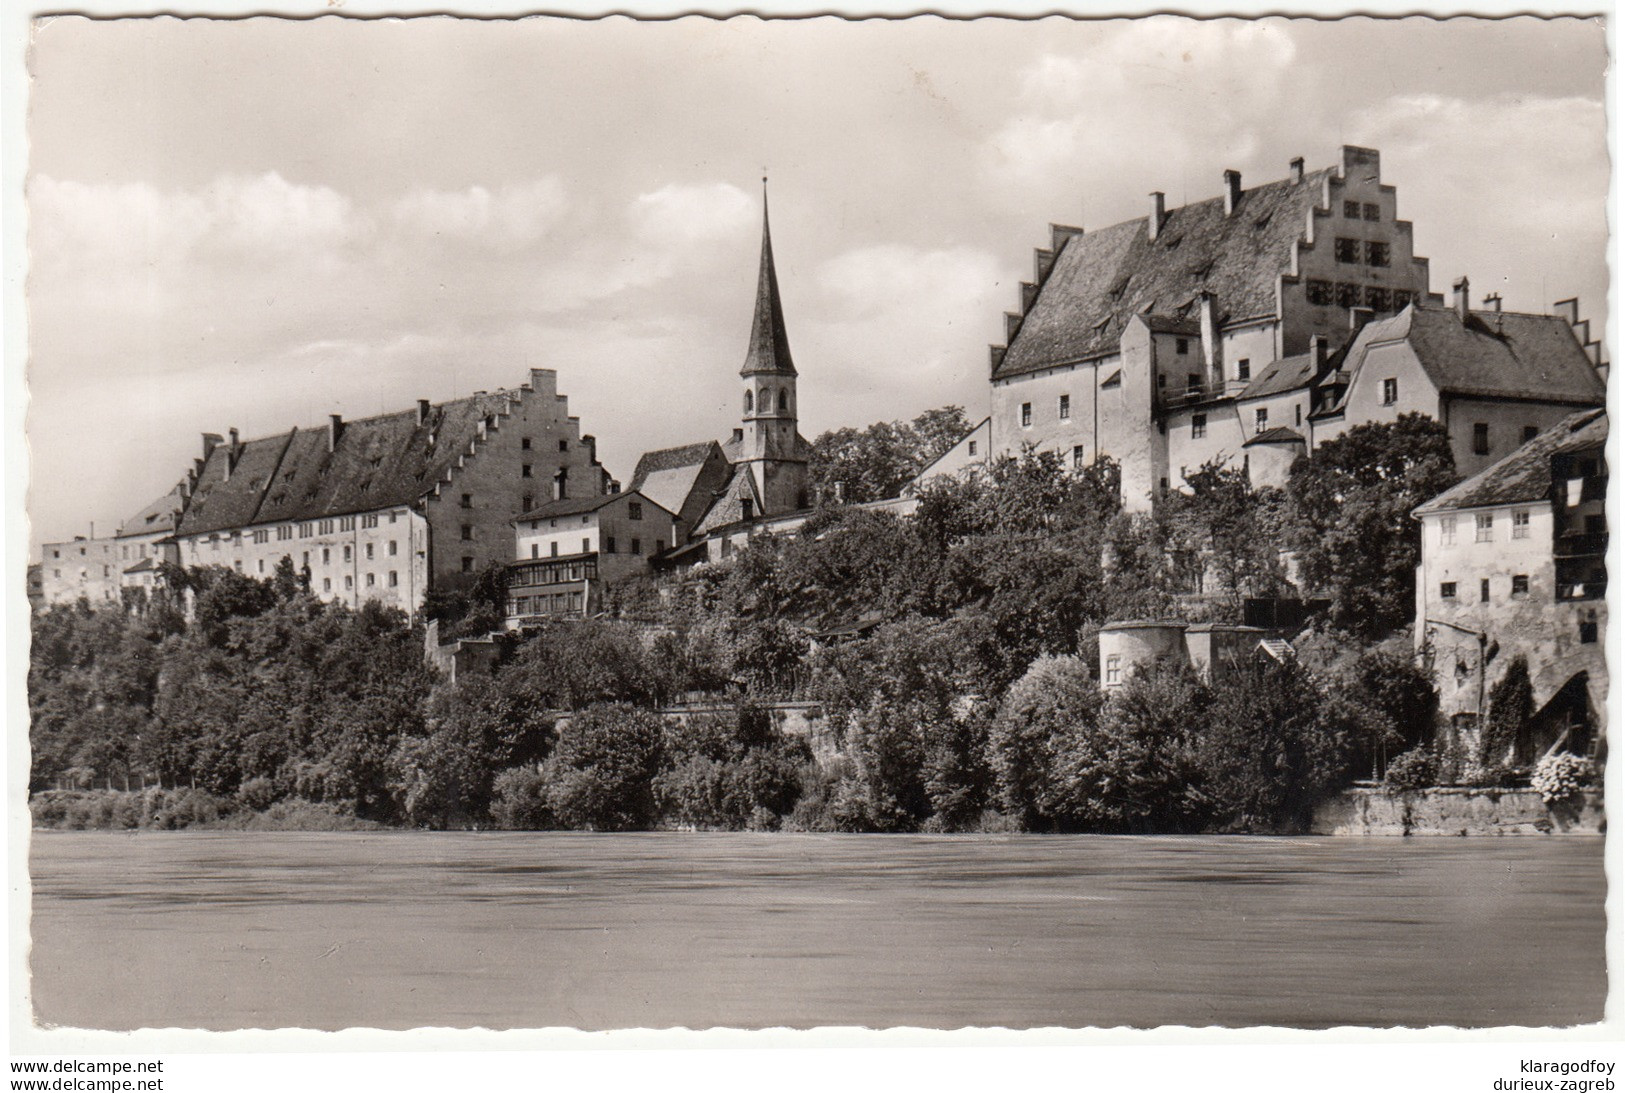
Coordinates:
256 223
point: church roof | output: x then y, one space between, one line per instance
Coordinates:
769 348
377 462
1491 354
1102 279
1526 474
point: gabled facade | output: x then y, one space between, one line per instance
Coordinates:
1495 379
1157 327
1513 564
388 508
566 550
98 570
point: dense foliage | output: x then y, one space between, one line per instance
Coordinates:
873 463
950 656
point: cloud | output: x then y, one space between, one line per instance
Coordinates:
686 215
508 218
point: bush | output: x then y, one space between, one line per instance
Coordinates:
519 800
257 794
1412 770
1562 778
601 776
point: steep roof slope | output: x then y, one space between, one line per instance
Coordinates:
1102 278
156 516
377 462
1526 474
1490 354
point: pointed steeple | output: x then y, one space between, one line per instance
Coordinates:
769 348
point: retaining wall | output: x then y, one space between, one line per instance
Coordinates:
1456 811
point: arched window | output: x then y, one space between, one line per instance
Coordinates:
784 400
748 401
764 399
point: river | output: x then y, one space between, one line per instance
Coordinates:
403 929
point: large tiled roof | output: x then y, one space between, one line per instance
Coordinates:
1491 354
1526 474
670 459
1102 279
377 462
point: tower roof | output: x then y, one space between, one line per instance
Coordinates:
769 348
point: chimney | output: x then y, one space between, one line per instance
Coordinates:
1297 170
1158 214
231 456
211 441
1209 337
1493 301
335 426
1462 294
739 435
423 411
591 444
1232 191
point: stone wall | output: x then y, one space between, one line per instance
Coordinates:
1454 811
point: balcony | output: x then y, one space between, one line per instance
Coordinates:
1196 394
1594 544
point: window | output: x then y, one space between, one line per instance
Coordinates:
1399 299
750 402
1064 410
784 401
1193 381
637 545
324 527
392 548
468 532
304 531
1376 253
1114 669
1481 438
1348 295
1077 455
263 535
1297 413
747 508
394 581
1261 419
304 559
553 550
634 510
1588 628
327 556
1351 210
1198 426
1447 531
1026 414
1520 584
564 445
468 564
1484 527
1319 292
1372 212
260 565
535 550
371 580
284 533
369 552
1376 299
524 470
1484 590
347 523
586 546
609 544
973 447
1520 524
346 552
1390 391
524 443
467 502
1244 369
660 544
327 584
1447 590
349 583
1530 432
1346 251
392 517
1182 346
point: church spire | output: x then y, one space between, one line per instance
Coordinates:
769 348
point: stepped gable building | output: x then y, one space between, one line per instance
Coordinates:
1514 564
1496 379
1132 337
388 508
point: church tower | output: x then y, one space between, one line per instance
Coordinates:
772 451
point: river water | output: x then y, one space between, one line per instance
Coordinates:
400 930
